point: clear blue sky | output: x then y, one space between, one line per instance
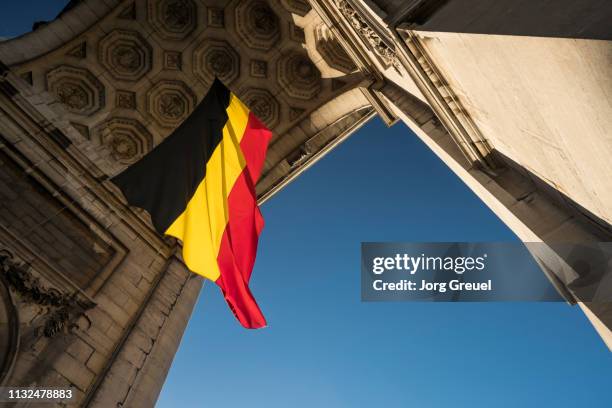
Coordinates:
324 347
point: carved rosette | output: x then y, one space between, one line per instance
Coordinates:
257 25
263 105
77 89
173 19
299 7
126 139
216 58
125 54
170 102
298 76
331 51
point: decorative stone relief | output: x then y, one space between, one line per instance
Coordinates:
76 88
173 60
170 102
125 99
331 51
299 7
216 17
126 139
216 58
61 309
259 69
263 105
125 54
9 330
298 76
257 25
386 53
172 19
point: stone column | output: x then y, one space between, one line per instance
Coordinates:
528 206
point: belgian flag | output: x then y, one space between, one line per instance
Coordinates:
198 185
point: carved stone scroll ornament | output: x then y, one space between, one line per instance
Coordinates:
61 310
386 53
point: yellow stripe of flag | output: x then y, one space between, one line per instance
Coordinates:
203 222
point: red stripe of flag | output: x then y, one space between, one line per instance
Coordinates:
239 242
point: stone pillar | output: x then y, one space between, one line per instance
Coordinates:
137 369
528 206
92 298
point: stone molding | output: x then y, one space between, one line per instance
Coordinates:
386 53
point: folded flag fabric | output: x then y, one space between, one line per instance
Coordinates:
198 185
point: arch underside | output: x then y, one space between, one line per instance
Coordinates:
122 75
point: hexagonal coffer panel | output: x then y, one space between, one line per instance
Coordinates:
125 54
298 76
76 88
257 25
263 105
216 58
126 139
173 19
170 102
